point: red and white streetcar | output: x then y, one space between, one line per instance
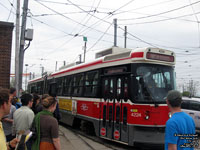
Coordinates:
121 94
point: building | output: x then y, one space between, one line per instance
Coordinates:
6 29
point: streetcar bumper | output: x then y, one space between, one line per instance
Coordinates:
147 135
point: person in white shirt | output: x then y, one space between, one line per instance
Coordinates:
23 117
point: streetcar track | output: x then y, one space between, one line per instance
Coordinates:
110 144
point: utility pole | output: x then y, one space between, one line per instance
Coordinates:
85 40
22 42
125 36
115 32
17 46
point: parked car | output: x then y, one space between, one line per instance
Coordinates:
192 107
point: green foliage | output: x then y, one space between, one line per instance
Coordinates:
186 93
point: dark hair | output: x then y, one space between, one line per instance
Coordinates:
45 96
25 99
48 101
12 90
35 98
4 96
174 98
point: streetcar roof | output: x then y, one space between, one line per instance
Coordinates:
117 57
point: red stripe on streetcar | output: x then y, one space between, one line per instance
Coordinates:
133 55
79 67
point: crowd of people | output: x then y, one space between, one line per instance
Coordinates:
19 116
32 113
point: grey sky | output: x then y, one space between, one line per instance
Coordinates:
169 24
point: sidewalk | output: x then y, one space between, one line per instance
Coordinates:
71 141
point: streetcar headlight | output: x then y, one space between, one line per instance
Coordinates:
147 117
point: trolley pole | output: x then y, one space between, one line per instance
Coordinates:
22 42
115 32
125 36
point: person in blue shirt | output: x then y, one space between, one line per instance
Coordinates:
180 128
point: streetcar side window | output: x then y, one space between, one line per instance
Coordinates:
59 86
39 87
67 88
78 85
33 88
53 89
91 83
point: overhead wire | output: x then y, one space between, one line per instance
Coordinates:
67 17
68 34
99 38
100 19
197 21
6 7
12 6
122 6
83 19
158 14
167 19
140 40
155 4
91 15
42 22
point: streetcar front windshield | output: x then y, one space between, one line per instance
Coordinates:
153 83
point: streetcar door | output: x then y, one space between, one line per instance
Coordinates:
120 131
117 108
108 107
124 109
113 95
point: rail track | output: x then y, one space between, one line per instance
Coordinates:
84 136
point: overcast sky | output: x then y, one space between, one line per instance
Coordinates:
59 27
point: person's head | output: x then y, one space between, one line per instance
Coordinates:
36 99
13 92
5 102
49 103
45 96
27 100
174 98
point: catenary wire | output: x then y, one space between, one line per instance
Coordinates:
158 14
